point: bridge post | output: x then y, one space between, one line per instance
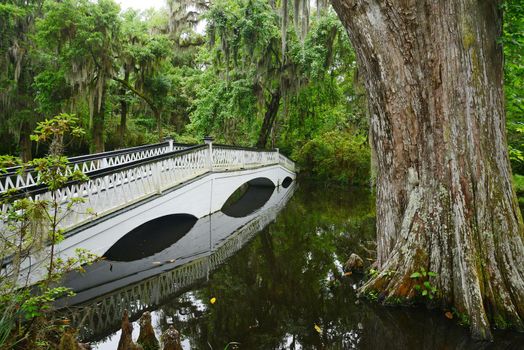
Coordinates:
208 140
170 143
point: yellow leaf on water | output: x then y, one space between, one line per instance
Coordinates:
213 300
318 329
449 315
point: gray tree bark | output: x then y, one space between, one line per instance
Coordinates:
433 73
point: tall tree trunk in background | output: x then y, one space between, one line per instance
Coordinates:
25 142
123 123
158 117
433 73
123 110
97 128
269 118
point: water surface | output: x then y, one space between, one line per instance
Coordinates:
284 288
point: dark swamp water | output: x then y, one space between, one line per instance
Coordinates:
278 286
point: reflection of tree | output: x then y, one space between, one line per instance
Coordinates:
277 288
273 291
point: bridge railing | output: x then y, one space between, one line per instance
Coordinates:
286 162
231 157
102 315
22 177
128 181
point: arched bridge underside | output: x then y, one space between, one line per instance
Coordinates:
199 197
143 285
196 180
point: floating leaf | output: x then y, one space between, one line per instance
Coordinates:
318 329
449 315
348 273
213 300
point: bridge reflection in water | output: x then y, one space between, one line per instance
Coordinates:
166 257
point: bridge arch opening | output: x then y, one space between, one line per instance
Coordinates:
151 237
287 182
249 197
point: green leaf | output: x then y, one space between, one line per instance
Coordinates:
427 284
424 292
415 275
432 274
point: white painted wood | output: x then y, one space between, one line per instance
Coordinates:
186 183
159 277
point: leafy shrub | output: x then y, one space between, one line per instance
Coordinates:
336 156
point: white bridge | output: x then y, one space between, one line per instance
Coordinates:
130 187
109 287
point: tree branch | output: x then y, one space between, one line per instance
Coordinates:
136 92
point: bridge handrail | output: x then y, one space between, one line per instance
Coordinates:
114 187
101 172
286 162
25 176
227 157
243 159
242 148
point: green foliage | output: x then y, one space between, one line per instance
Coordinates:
57 127
513 42
339 156
424 286
30 225
7 161
373 273
463 318
518 184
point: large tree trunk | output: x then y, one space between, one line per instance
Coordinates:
160 130
25 142
433 72
97 128
269 118
122 129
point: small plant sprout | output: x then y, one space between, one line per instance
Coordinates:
424 287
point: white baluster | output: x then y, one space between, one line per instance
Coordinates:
208 140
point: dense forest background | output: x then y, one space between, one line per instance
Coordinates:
262 73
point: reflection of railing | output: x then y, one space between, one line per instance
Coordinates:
102 316
128 177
